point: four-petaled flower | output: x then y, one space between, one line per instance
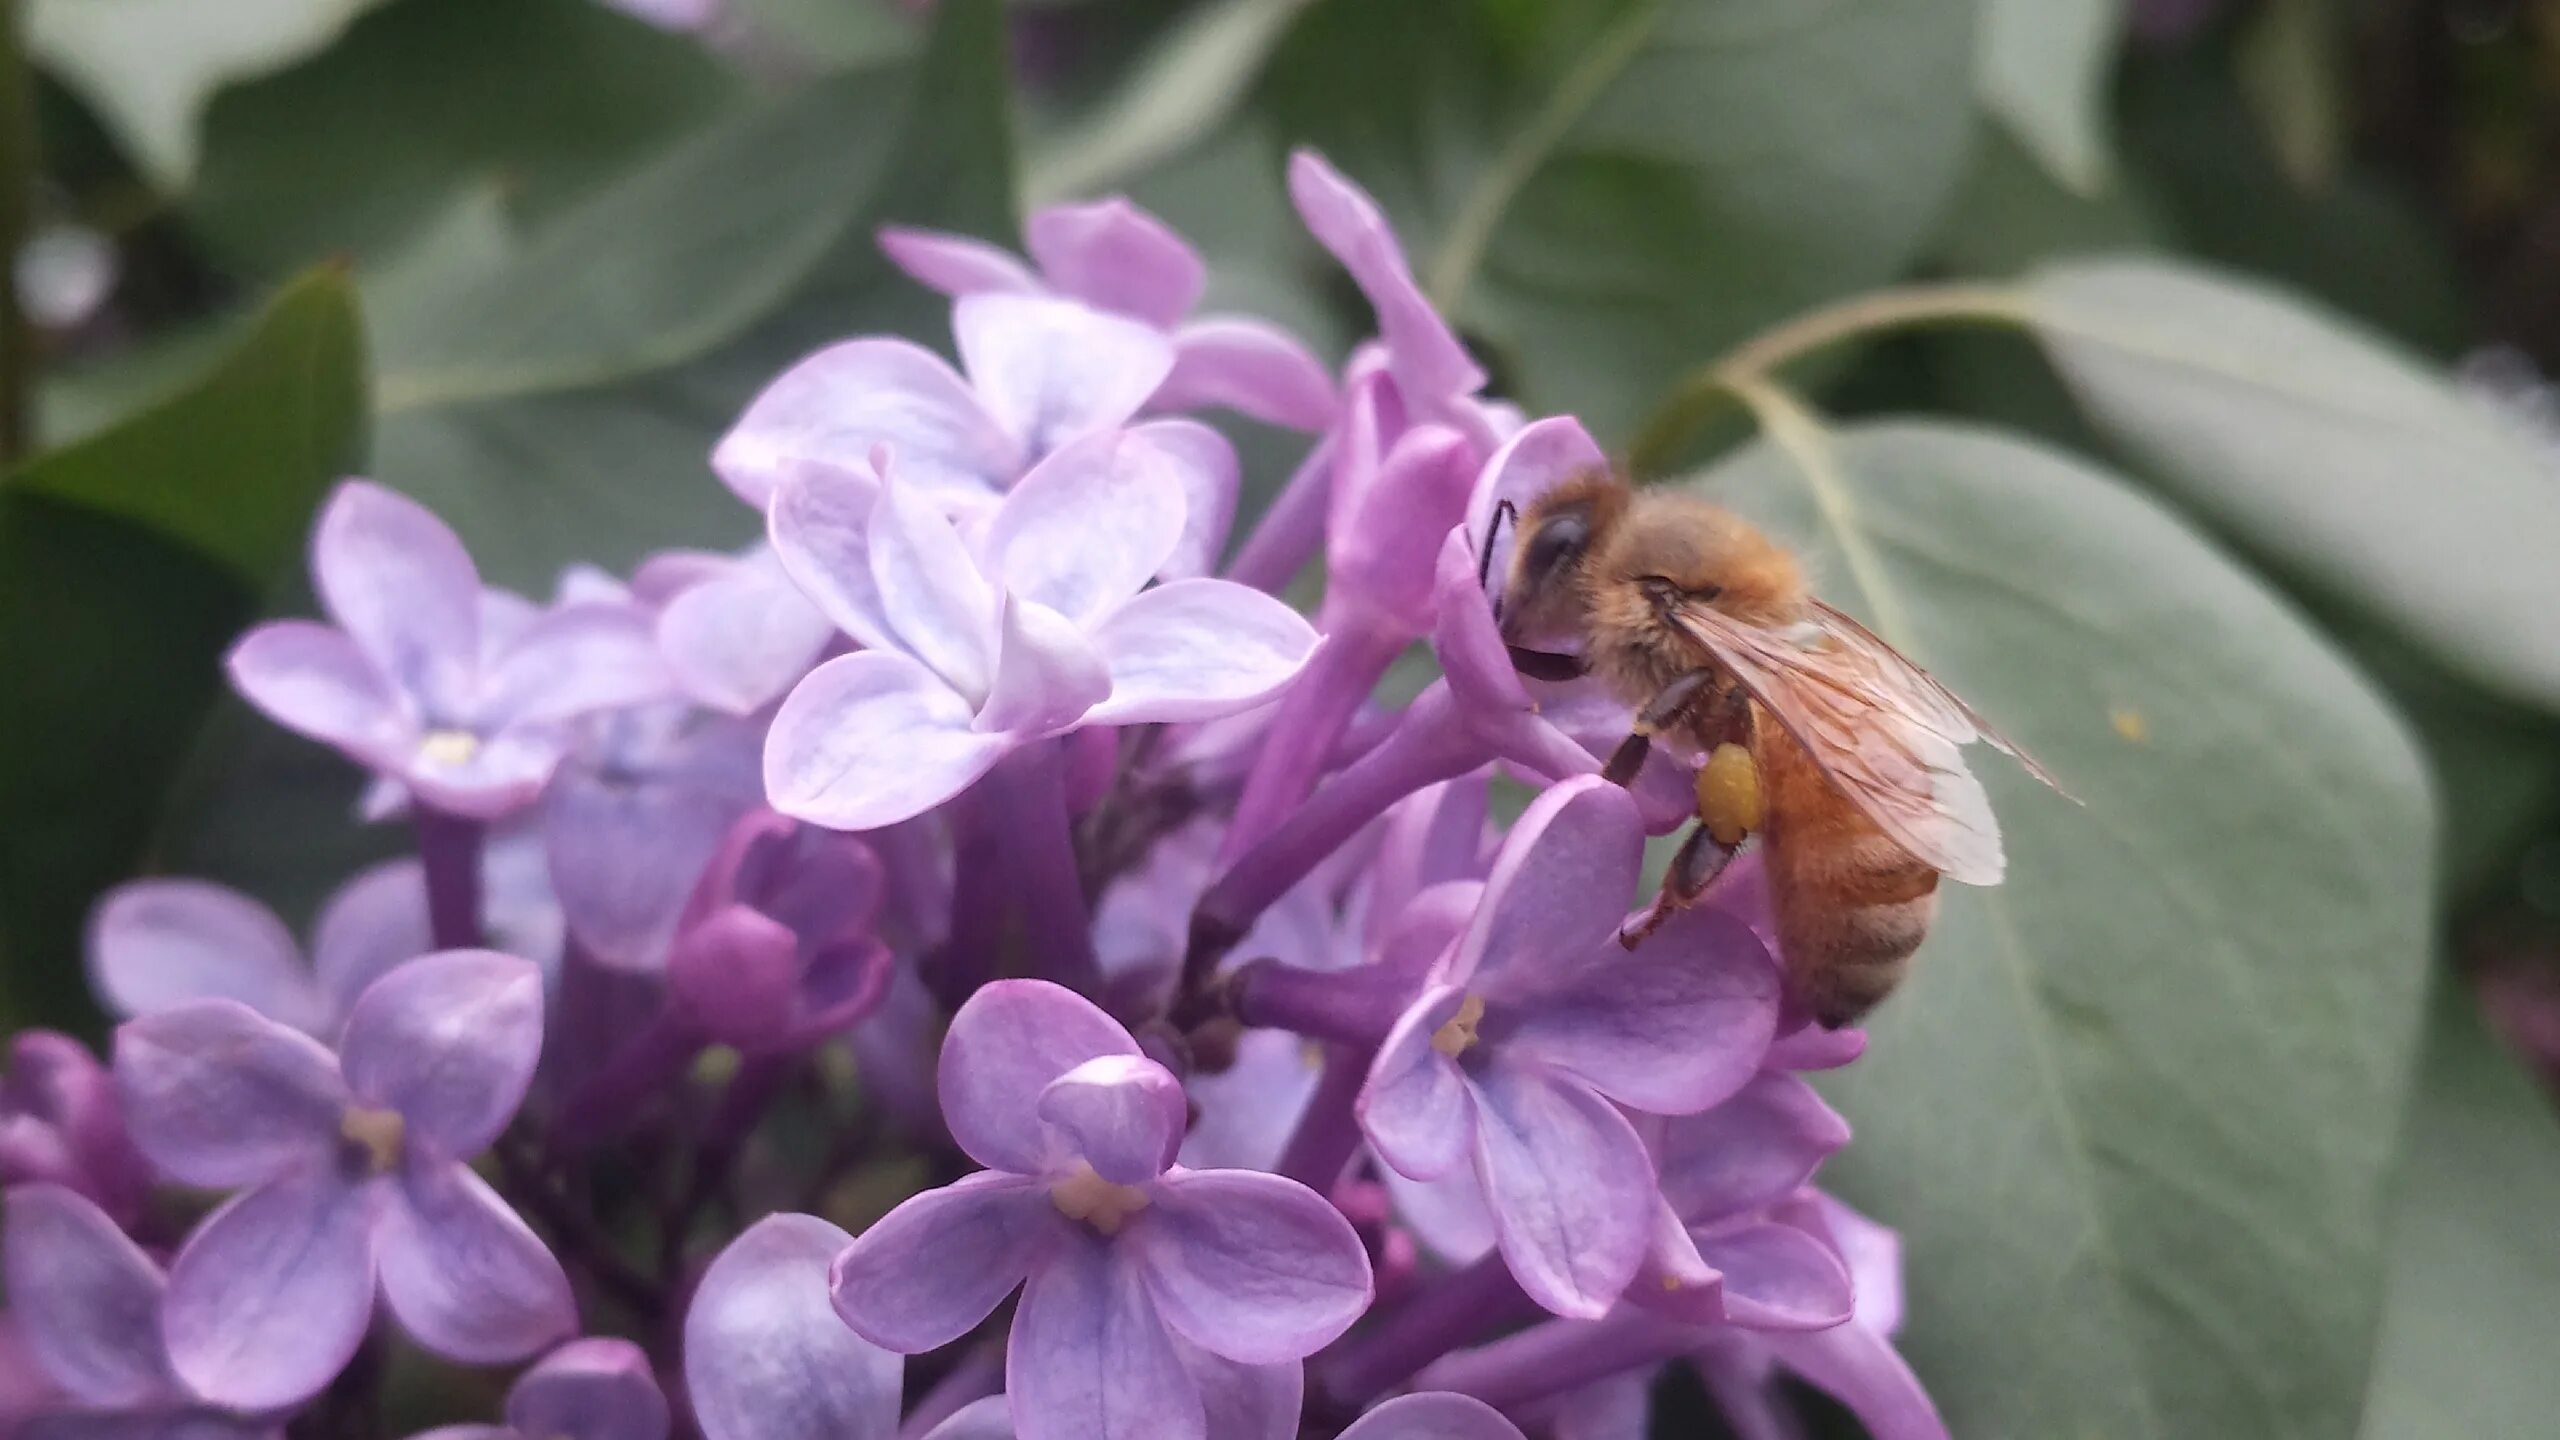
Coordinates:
157 944
1121 1254
1040 623
596 1389
352 1177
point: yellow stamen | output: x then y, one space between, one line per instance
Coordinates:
1097 1202
449 747
1459 1031
380 1134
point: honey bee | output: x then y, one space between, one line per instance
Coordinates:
1842 756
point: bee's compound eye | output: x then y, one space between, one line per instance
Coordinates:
1554 544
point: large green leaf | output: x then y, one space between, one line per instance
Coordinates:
127 562
351 150
2327 449
2044 71
1610 192
2134 1109
2474 1282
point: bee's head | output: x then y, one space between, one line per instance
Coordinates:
1676 547
1544 595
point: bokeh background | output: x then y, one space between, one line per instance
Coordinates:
2239 501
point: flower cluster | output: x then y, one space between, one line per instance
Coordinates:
977 963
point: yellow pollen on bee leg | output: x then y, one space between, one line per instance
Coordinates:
449 747
1088 1197
380 1134
1459 1030
2129 723
1729 799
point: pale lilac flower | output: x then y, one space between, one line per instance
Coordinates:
778 948
1121 1254
1537 1025
352 1177
404 683
1435 1415
157 944
1114 256
597 1389
1045 624
61 1124
766 1358
737 634
1729 1244
634 815
87 1305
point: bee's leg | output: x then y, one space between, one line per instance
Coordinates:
1701 859
1547 664
1658 712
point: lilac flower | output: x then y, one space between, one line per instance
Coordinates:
61 1124
1121 1253
777 949
737 634
633 816
157 944
1730 1246
1114 256
765 1357
87 1301
353 1177
1537 1025
1038 628
404 684
1434 1416
599 1389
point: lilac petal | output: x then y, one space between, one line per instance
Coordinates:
664 574
398 581
1570 1186
89 1299
470 1432
1248 1109
819 525
1009 1041
1858 1367
1415 1107
575 661
1751 1151
1559 887
271 1296
1246 1402
1090 525
624 854
1196 650
1249 367
1675 1281
373 923
468 1279
1252 1267
1813 1048
218 1095
590 1390
1115 256
987 1419
1050 370
312 680
1873 1254
448 1041
1776 1277
939 606
1428 361
1205 463
1089 1359
928 1271
837 405
1431 924
1447 1215
158 943
1408 508
872 739
1540 456
1047 676
1669 1029
1437 1415
505 773
1464 636
1619 1408
738 643
765 1357
1120 1114
955 264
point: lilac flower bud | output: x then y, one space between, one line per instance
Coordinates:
61 1124
599 1389
777 948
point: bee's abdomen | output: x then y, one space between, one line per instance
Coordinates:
1851 904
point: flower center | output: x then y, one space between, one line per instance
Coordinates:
1097 1202
449 747
1459 1031
377 1135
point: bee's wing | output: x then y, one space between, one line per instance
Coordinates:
1885 734
1950 712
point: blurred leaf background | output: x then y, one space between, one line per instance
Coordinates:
2167 373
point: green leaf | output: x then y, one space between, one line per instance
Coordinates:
2328 450
1186 86
2474 1281
2133 1110
1612 192
2044 71
424 101
127 563
148 66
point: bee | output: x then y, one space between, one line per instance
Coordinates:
1843 757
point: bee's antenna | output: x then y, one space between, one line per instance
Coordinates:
1502 510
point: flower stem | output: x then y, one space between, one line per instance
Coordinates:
1696 397
1328 1132
1559 1356
1305 726
449 848
1287 535
1452 1310
1347 1007
1026 808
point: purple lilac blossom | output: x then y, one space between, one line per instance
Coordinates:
765 1356
61 1124
350 1175
737 634
1122 1255
633 816
1433 1416
596 1389
156 944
